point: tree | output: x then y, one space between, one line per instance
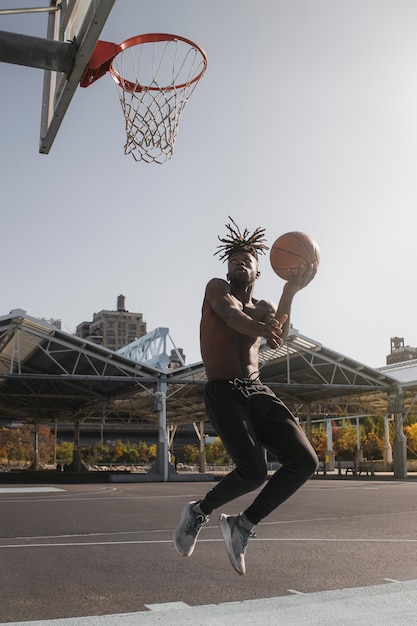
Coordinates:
46 443
119 450
216 452
65 452
191 453
17 444
411 434
11 445
319 441
373 445
345 443
152 451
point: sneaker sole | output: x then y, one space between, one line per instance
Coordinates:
227 536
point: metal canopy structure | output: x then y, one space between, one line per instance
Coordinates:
48 375
303 371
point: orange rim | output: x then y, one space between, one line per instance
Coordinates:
128 85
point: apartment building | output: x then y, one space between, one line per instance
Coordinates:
113 329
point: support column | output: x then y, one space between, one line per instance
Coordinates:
400 448
387 452
102 430
76 459
203 464
330 452
36 463
172 457
162 451
308 422
359 452
199 431
396 407
55 439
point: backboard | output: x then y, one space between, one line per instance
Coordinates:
69 20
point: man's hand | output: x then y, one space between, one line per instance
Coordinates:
297 279
273 331
301 277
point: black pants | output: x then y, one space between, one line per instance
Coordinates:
248 417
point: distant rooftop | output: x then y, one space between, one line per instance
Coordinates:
404 372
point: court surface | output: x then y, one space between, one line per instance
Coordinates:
338 552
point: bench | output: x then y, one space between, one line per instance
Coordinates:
347 466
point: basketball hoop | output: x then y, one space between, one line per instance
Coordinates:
155 75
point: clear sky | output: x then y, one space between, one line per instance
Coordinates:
305 120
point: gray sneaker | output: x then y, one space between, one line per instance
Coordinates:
236 539
187 530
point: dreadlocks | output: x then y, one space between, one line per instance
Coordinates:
241 242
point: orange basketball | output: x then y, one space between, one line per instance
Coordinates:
293 251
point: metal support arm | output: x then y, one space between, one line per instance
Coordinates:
44 54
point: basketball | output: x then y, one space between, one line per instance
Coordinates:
293 251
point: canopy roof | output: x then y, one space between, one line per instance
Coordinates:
47 374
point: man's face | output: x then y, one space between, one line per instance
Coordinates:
242 269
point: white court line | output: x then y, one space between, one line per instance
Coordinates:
107 534
124 533
67 497
309 520
94 543
29 490
84 496
167 606
162 541
213 527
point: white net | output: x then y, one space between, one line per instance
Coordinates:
155 76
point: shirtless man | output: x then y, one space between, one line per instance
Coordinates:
244 412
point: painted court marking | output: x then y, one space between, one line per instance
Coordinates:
70 544
29 489
167 606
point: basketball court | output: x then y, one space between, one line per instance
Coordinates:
339 551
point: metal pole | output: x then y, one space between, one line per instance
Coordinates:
358 434
56 434
45 54
36 447
32 10
308 424
329 432
400 447
203 465
76 455
387 452
396 407
162 431
102 430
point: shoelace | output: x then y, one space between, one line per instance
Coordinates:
196 523
245 535
250 535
